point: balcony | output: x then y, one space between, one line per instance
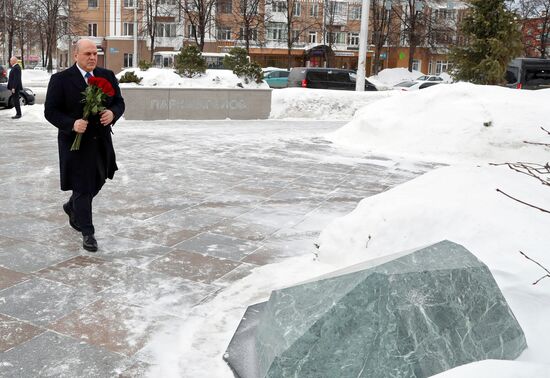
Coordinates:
175 43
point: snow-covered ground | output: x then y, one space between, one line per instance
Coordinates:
463 125
459 203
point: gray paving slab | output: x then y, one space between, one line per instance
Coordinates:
194 207
54 355
41 301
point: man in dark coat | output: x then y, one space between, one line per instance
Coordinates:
85 170
15 85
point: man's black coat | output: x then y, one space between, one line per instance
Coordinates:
14 81
63 106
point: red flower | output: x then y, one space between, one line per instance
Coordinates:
102 84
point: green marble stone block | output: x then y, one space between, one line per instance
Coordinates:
417 315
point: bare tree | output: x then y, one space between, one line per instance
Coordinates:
332 14
381 22
250 15
199 15
56 18
426 23
542 9
296 22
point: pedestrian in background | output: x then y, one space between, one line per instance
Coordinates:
15 85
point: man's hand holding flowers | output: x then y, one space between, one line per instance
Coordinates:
95 96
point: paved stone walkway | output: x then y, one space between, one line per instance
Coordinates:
194 207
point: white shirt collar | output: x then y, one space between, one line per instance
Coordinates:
82 72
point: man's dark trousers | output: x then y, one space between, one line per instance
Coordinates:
81 206
16 103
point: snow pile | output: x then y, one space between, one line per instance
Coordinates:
461 202
500 369
388 77
451 123
321 103
166 77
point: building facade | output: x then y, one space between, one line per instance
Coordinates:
280 33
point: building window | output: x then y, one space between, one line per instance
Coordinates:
353 39
128 60
278 6
92 3
129 3
92 30
337 8
275 32
128 28
224 6
355 13
314 10
166 30
295 35
167 2
253 34
340 38
224 34
312 37
191 31
441 66
416 64
297 9
250 7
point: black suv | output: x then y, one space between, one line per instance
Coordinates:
528 73
325 78
3 75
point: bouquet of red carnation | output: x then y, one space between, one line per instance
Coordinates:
94 99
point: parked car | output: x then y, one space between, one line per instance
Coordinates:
325 78
429 78
26 97
414 85
276 78
3 75
528 73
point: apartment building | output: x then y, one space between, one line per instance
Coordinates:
312 33
536 36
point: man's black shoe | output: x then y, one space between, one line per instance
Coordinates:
16 116
70 213
89 243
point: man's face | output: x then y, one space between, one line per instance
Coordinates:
86 56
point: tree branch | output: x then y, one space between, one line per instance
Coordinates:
538 171
539 264
525 203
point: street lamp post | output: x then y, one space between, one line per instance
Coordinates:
6 52
135 57
363 46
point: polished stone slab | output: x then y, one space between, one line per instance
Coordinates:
411 315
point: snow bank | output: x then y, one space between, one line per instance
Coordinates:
321 103
451 123
388 77
497 368
461 204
